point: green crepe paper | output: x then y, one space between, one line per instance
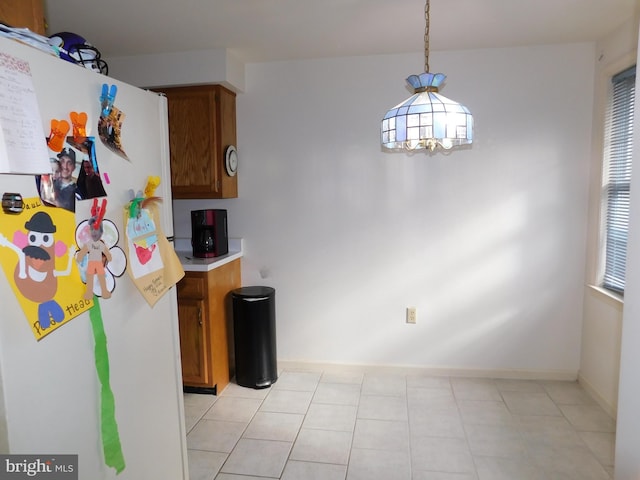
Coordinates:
109 427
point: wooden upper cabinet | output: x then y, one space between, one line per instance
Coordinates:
23 14
202 124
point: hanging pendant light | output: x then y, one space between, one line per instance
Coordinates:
427 120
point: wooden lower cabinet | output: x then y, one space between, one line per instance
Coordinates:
204 315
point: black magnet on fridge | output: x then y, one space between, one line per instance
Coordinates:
12 202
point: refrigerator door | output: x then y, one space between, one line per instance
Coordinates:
164 191
49 389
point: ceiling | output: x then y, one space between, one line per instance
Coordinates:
270 30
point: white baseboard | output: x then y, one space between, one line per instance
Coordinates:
564 375
612 410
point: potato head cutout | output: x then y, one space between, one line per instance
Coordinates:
35 275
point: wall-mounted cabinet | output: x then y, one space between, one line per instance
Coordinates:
24 14
202 125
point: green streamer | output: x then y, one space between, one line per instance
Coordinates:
113 456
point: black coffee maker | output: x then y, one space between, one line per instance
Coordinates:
209 233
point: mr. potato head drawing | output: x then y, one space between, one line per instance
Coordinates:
35 275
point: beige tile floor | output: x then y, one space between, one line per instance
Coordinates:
348 425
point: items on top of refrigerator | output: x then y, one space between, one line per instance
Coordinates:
76 49
66 45
26 36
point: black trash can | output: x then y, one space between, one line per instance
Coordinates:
254 335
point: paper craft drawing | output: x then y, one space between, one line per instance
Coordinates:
97 252
153 264
36 253
144 254
113 268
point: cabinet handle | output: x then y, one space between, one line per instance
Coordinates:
200 316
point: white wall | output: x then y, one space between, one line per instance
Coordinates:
602 327
601 337
181 68
488 243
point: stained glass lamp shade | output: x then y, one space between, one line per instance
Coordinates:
427 119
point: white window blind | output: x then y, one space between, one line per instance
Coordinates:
618 152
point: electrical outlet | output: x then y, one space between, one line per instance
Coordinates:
412 315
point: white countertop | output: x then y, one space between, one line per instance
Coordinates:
193 264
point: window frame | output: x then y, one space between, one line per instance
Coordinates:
617 156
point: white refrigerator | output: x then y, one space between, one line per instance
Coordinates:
50 394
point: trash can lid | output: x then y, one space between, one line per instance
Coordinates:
253 291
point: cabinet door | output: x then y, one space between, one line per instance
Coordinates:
23 13
221 281
193 345
192 142
202 124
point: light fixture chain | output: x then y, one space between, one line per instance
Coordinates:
426 37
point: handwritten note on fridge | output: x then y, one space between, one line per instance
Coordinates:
23 147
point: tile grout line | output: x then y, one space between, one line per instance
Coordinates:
409 442
304 417
353 433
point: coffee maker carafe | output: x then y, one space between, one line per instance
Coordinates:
209 233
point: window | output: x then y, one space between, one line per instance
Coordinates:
617 176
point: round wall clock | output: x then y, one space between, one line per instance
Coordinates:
231 160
